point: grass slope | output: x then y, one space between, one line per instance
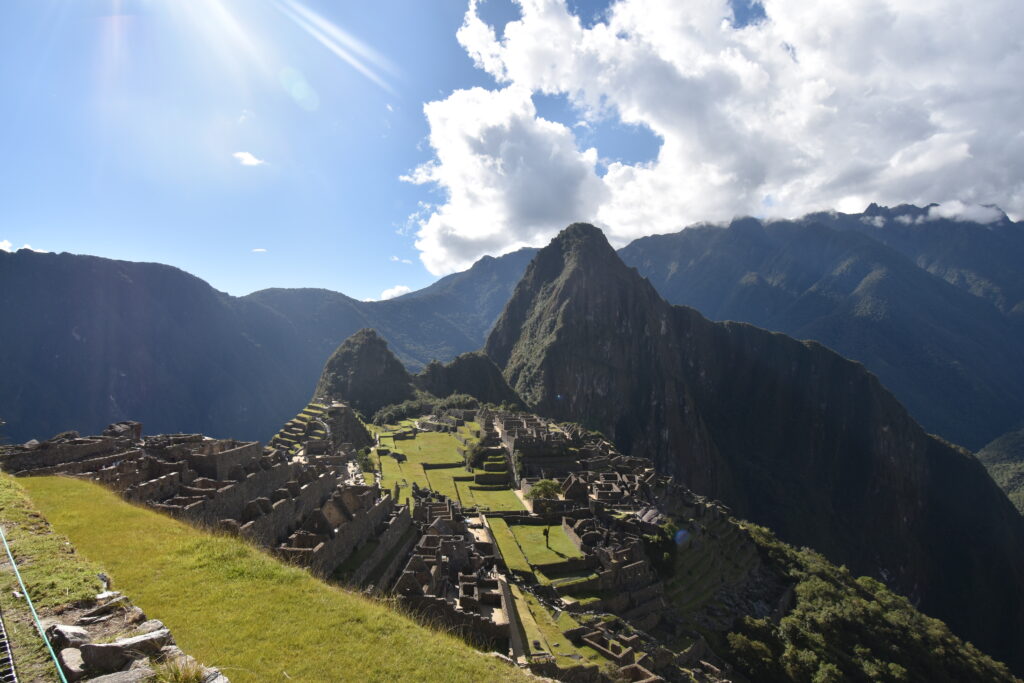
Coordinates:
237 608
53 573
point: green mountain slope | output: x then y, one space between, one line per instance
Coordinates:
1004 459
955 360
789 434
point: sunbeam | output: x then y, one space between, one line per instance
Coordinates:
340 42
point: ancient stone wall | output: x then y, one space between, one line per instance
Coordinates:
288 510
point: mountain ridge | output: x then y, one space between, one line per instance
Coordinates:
788 433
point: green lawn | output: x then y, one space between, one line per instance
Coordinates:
510 550
54 574
453 480
232 606
495 499
531 540
551 630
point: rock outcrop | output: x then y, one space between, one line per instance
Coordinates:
473 374
788 433
364 372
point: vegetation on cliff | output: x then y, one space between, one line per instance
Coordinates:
843 628
364 372
1004 459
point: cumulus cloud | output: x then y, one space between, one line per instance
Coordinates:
391 293
248 159
259 250
396 259
5 245
818 106
965 212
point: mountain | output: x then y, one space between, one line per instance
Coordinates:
473 374
789 434
92 341
945 350
1004 459
364 372
981 258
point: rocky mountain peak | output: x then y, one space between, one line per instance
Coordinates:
364 372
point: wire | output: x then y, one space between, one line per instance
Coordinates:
35 617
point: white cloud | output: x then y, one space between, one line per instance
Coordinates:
391 293
396 259
248 159
5 245
245 116
822 105
259 250
965 212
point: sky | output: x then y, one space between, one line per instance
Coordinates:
370 148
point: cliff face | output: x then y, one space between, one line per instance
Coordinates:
470 373
954 359
789 434
364 372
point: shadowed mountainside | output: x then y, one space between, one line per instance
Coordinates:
788 433
90 341
866 286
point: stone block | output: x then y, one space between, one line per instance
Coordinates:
63 636
71 663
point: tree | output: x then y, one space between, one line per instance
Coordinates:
545 488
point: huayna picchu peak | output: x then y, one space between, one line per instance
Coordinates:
787 433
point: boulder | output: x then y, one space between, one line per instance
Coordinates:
113 656
134 675
71 663
135 615
64 636
149 627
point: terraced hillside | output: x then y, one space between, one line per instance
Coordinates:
309 423
261 620
437 460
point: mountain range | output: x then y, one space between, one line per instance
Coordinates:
789 434
933 307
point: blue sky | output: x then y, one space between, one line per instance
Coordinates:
120 120
369 146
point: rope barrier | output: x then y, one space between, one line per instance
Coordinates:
35 617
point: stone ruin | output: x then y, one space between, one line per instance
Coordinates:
452 575
301 510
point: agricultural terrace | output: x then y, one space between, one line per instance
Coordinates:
435 460
235 607
529 554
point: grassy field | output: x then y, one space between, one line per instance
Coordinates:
53 573
230 605
550 630
537 549
508 546
492 498
452 479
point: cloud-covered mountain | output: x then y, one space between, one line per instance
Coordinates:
930 305
811 106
